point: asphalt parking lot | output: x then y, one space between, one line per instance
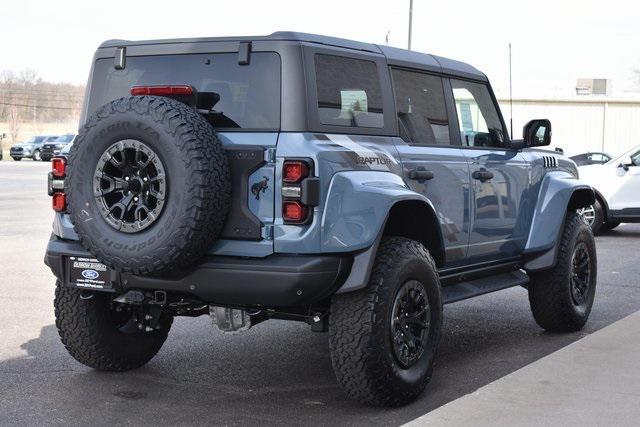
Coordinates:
275 373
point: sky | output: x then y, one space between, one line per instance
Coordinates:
554 42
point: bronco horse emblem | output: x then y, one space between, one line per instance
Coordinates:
260 186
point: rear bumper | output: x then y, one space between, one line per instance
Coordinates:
279 280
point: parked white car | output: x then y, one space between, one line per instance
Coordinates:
617 185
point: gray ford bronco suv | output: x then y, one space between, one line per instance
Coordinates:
351 186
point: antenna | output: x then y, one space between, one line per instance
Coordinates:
510 94
410 22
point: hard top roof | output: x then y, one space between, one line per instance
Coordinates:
394 56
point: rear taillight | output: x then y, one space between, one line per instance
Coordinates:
174 90
58 167
294 211
59 202
300 191
55 184
294 171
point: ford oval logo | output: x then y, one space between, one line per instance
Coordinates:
90 274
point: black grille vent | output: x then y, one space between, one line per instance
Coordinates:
550 162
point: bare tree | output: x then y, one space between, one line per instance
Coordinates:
14 123
39 101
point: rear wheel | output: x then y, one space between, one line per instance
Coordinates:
561 298
102 337
36 155
383 339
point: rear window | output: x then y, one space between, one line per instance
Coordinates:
64 138
249 94
348 92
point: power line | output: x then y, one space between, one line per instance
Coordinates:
35 89
40 101
38 106
40 94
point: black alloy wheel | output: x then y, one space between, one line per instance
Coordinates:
580 273
130 186
410 323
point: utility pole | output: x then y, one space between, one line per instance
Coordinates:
410 21
510 94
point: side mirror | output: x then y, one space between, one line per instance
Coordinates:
625 162
537 133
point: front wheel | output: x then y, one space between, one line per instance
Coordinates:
593 215
36 155
383 339
561 297
17 159
102 336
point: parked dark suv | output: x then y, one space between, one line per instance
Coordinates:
351 186
51 149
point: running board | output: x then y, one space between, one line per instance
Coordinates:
484 285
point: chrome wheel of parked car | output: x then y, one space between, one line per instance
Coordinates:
130 186
588 214
410 323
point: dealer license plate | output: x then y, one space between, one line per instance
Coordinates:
88 273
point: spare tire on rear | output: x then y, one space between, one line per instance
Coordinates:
148 185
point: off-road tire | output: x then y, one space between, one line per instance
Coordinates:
359 328
198 185
550 295
89 335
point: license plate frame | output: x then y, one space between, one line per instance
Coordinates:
88 273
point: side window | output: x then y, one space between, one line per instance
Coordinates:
479 122
349 92
636 159
422 113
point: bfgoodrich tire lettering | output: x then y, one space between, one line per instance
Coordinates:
555 302
360 337
197 185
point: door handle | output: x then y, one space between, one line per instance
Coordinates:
482 175
420 174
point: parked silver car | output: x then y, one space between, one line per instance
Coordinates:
32 148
